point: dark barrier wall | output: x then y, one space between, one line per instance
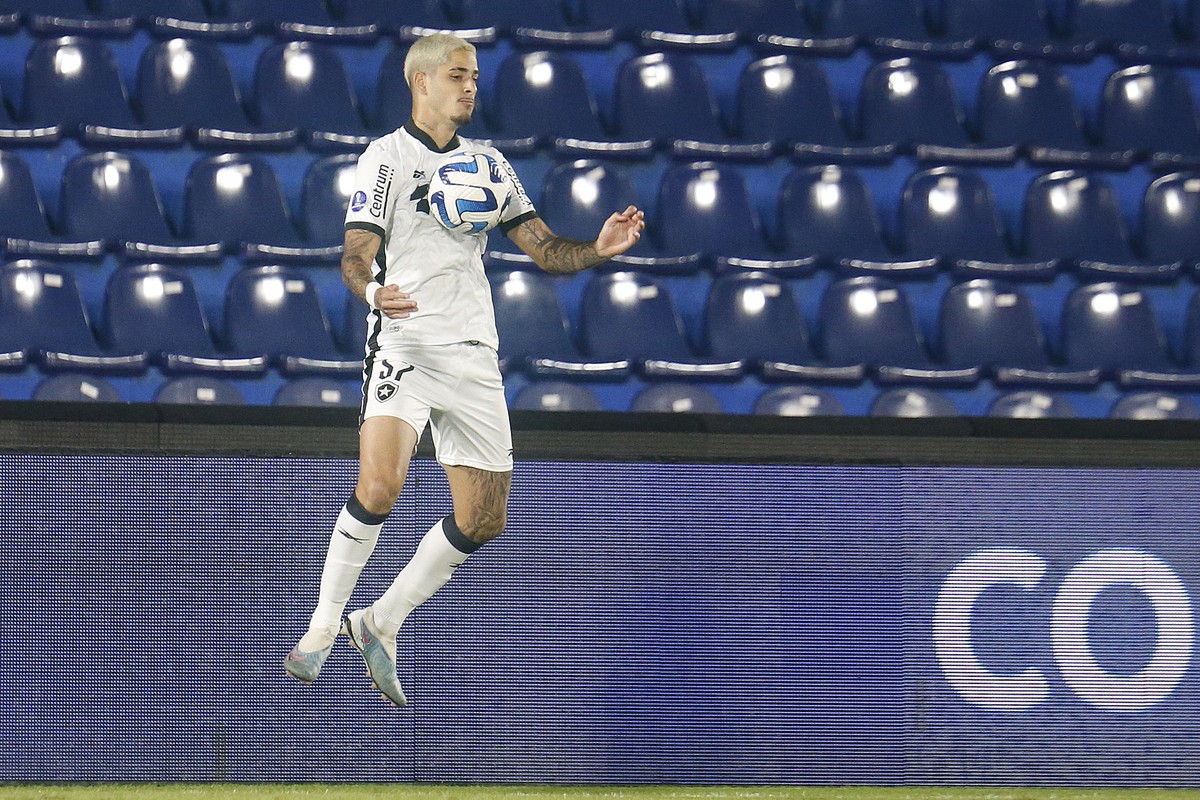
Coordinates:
687 622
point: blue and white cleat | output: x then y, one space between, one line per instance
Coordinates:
306 666
379 653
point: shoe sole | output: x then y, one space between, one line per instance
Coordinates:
357 644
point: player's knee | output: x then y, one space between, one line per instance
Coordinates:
378 495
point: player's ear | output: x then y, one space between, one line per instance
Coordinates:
420 82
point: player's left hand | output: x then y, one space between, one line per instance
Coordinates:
620 232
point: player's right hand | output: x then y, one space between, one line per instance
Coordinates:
394 303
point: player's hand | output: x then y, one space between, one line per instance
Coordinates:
394 303
620 232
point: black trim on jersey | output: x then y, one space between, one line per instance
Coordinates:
366 226
427 140
505 227
376 328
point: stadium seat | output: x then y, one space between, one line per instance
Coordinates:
1135 30
352 336
704 206
797 401
653 24
949 213
1076 217
770 90
912 403
1011 29
296 19
199 391
1150 110
317 391
1031 104
1114 328
677 398
19 134
154 309
1030 404
1154 405
275 311
912 103
237 199
70 18
534 337
328 184
828 212
869 320
753 316
533 23
891 28
75 82
1171 219
23 218
112 196
76 389
628 316
168 18
773 25
189 84
994 325
666 98
42 313
304 86
410 18
556 396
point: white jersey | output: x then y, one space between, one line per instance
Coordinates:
441 270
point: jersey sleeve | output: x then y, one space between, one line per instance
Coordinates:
520 207
372 198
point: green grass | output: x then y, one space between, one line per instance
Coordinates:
179 791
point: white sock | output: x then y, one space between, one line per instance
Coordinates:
350 546
441 550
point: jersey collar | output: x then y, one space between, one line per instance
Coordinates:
425 139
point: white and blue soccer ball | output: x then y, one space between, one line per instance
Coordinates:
469 192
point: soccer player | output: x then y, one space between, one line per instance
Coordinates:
430 357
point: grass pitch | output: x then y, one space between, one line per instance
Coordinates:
176 791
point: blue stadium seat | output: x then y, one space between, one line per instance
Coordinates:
328 184
994 325
625 315
168 18
1150 110
666 98
753 316
304 86
1171 219
237 199
75 82
797 401
19 134
1011 29
70 18
112 196
912 103
352 336
533 23
296 19
23 218
1032 104
154 309
188 83
408 17
534 336
677 398
653 24
828 212
1031 404
869 320
76 389
1154 405
275 311
317 391
1115 328
1076 217
950 213
891 28
773 25
42 313
1136 30
705 206
913 403
556 396
199 391
770 92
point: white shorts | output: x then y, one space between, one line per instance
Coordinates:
456 388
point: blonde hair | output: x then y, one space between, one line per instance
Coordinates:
430 52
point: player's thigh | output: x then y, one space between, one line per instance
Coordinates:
385 448
480 500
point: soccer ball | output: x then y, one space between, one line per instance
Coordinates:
468 193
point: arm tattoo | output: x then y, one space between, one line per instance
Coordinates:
554 253
358 258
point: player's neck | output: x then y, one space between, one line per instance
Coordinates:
441 131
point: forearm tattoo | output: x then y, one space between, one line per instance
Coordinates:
553 253
358 260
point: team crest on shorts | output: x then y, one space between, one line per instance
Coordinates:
385 391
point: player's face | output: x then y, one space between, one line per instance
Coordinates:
453 86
